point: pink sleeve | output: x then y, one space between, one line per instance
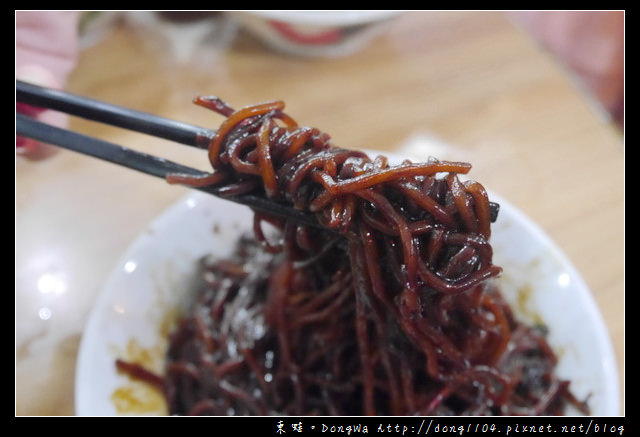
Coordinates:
46 40
46 52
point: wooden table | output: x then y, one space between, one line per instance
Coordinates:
471 83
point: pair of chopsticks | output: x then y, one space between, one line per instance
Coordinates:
141 122
136 121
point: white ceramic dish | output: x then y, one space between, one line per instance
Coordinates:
152 280
315 33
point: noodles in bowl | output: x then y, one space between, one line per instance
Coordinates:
394 308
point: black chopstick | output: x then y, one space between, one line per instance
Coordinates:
138 121
113 115
148 164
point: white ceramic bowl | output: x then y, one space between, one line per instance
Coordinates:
153 278
315 33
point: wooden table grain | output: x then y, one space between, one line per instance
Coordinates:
469 84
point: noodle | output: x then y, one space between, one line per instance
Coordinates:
394 314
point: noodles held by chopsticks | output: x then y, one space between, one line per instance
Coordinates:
394 314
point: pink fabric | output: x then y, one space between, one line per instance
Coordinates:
46 52
47 40
590 43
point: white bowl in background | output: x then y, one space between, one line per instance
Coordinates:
315 33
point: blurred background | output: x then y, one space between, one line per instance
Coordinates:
589 44
533 99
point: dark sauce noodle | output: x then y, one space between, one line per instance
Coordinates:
394 314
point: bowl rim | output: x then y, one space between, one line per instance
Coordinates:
323 17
